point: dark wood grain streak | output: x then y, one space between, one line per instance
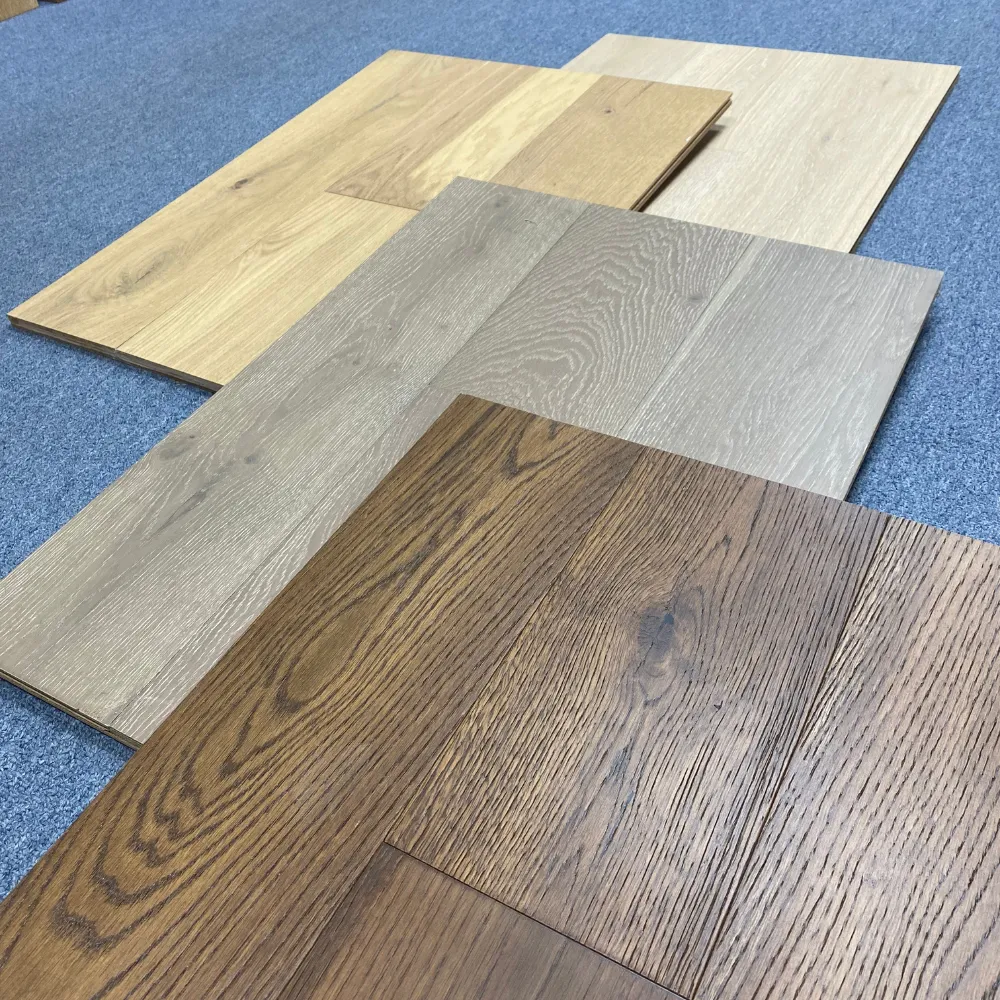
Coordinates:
210 864
618 769
407 930
878 874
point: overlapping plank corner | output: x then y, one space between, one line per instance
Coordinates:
770 358
809 149
203 286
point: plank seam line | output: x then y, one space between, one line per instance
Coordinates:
807 721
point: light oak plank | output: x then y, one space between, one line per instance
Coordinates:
247 305
11 8
614 776
811 145
104 604
406 930
211 863
620 123
877 874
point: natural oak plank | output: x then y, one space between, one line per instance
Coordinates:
10 8
406 930
615 774
220 328
811 145
105 604
396 134
790 368
210 864
877 872
618 122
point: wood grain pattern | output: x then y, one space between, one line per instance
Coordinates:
811 145
877 874
617 122
573 312
616 772
219 329
213 860
10 8
786 385
394 134
406 930
103 606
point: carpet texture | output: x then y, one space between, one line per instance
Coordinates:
111 109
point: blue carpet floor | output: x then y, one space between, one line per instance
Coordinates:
112 108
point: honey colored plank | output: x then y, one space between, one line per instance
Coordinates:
473 130
210 864
625 125
614 776
106 604
811 145
10 8
877 874
406 930
116 293
220 328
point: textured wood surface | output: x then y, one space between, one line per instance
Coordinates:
811 145
213 860
586 314
408 931
614 777
877 874
109 600
189 291
10 8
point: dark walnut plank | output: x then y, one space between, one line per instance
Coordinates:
208 866
879 872
408 931
615 774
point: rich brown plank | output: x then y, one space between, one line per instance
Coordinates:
210 864
407 930
614 776
878 874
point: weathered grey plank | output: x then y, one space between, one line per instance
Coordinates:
100 610
589 315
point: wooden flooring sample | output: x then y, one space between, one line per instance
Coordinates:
877 874
210 864
606 319
190 291
615 775
10 8
406 930
811 145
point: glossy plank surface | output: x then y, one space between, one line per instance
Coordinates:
210 864
406 930
812 143
178 293
105 605
877 874
614 776
591 315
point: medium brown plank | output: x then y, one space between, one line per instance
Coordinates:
879 873
619 123
407 930
211 862
618 769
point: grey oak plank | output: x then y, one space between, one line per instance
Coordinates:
407 930
878 874
810 146
595 316
101 607
613 777
790 370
